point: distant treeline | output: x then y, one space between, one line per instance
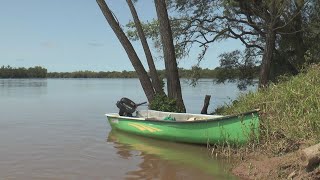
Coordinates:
184 73
21 72
93 74
40 72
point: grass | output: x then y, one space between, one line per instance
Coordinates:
290 112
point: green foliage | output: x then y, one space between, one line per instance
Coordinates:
290 111
163 103
32 72
219 110
313 35
151 30
240 67
202 23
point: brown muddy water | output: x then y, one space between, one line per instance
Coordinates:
56 129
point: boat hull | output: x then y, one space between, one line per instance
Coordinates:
237 129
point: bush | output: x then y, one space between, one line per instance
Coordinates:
163 103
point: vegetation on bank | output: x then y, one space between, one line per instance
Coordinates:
41 72
92 74
276 35
290 112
21 72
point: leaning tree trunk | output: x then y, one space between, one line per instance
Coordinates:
135 61
173 81
153 71
267 58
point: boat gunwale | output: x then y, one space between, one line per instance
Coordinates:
199 121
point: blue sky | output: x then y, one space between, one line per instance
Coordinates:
70 35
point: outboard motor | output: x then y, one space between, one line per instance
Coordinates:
127 107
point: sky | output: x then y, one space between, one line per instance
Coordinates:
70 35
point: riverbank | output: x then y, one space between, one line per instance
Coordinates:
262 166
289 122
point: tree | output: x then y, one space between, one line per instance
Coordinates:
133 57
261 25
258 24
313 33
153 71
173 82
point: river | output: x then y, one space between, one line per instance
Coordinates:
56 129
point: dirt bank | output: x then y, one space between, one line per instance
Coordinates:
283 167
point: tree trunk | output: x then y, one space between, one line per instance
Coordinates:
267 58
173 81
270 44
310 157
135 61
153 71
300 47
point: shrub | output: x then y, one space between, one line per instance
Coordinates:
163 103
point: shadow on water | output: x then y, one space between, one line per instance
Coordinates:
167 160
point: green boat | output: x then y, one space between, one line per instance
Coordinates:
190 128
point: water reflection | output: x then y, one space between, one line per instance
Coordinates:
7 83
23 87
166 160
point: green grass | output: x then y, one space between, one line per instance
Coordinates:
290 112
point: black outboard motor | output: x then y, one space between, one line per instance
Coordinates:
127 107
